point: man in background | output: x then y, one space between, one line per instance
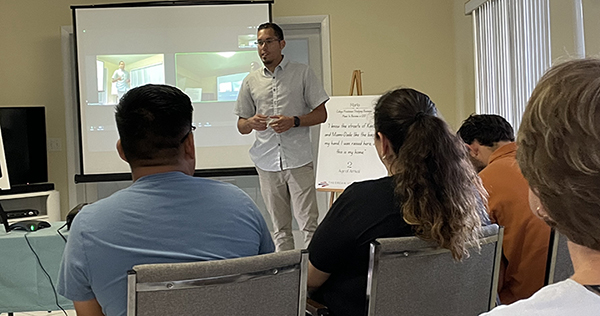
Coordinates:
280 101
121 79
490 139
165 216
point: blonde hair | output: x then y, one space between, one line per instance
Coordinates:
559 148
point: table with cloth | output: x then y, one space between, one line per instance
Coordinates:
23 284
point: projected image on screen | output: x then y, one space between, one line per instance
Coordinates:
214 76
229 86
116 74
212 80
206 50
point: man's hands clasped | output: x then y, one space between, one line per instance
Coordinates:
258 122
279 123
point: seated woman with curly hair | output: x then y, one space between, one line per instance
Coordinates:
433 192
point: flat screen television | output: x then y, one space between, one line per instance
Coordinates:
24 138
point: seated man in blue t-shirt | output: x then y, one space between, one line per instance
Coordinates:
165 216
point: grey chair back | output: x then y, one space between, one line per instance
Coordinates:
559 266
410 276
271 284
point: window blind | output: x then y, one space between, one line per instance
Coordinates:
512 51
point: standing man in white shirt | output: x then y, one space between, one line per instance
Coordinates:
121 78
280 101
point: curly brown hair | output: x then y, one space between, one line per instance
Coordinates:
435 183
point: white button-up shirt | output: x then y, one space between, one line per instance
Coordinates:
292 90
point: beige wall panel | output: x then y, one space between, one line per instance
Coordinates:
465 65
591 24
395 43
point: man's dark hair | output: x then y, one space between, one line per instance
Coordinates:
487 129
278 31
152 121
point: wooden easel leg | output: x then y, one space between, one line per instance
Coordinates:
331 198
356 81
352 82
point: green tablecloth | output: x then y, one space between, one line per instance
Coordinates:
23 284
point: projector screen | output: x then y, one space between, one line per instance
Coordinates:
204 49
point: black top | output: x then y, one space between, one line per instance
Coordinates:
340 246
364 212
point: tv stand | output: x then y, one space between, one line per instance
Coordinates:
28 188
47 203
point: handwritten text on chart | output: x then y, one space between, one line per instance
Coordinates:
355 111
346 144
347 138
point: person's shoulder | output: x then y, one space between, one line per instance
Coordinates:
253 79
562 298
296 66
504 157
255 74
293 63
97 207
94 213
380 182
206 182
365 203
367 188
502 172
498 167
228 197
177 180
219 187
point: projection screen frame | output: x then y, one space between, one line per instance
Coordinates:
111 177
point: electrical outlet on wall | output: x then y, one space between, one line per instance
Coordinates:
54 144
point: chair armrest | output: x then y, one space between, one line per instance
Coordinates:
316 309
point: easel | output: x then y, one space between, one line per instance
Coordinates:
356 81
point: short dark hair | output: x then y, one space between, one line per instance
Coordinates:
278 31
487 129
152 120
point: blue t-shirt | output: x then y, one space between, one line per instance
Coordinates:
160 218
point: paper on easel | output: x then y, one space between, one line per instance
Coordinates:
346 144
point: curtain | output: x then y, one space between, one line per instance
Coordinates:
512 52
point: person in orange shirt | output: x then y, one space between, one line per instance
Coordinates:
491 143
